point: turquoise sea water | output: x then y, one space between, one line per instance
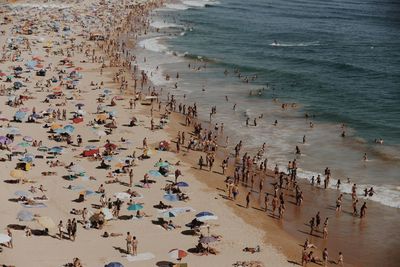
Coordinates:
338 61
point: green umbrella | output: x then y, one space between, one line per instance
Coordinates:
24 144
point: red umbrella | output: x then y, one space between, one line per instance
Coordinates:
110 146
2 74
177 253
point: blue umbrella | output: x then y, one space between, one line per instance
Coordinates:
69 127
135 207
154 173
171 197
26 159
59 131
161 164
114 264
25 215
19 115
204 213
182 184
56 150
107 91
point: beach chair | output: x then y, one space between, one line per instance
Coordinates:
180 265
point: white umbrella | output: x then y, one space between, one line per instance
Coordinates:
4 238
122 195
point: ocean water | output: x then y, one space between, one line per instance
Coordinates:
338 61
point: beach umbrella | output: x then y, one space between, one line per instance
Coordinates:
56 150
46 222
69 129
2 118
13 130
107 91
101 116
2 74
4 238
107 214
21 193
204 213
168 214
60 131
10 77
208 239
171 197
110 146
135 207
114 264
5 140
155 173
18 174
55 126
79 105
161 164
177 253
26 159
25 215
27 139
19 115
24 144
207 218
182 184
122 195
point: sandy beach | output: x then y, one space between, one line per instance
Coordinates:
39 189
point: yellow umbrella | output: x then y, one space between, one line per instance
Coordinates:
18 174
102 117
46 222
119 165
55 126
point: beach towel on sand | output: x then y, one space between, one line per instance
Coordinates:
141 257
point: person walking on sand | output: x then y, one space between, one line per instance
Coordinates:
248 200
130 177
60 230
74 229
177 174
134 246
266 200
325 232
201 162
128 243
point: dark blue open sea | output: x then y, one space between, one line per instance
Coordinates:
339 61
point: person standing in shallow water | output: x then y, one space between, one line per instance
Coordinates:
363 210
